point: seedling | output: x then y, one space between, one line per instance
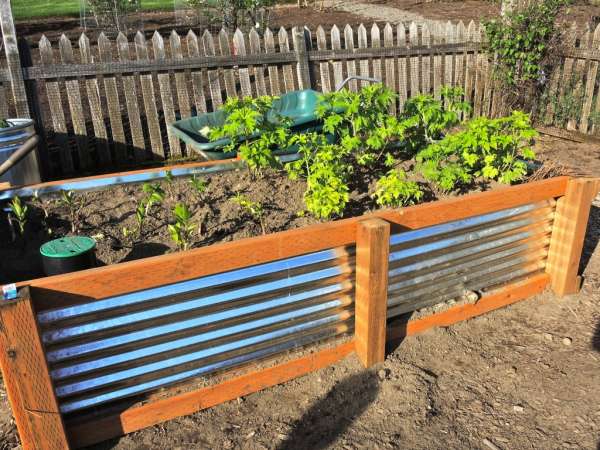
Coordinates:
154 196
255 209
70 201
41 204
183 229
199 184
19 211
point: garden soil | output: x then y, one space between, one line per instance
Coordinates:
523 377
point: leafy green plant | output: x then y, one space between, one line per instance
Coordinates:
155 195
254 130
361 120
326 169
70 200
425 119
182 230
255 209
199 184
494 149
19 210
521 46
395 190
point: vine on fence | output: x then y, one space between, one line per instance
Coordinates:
523 46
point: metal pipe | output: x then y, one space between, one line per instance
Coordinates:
24 150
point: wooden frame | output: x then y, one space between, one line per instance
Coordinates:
371 236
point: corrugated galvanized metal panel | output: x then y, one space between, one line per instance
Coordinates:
118 347
434 264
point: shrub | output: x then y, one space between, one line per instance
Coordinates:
394 190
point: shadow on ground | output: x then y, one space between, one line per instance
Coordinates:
331 415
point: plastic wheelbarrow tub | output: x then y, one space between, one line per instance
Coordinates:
299 106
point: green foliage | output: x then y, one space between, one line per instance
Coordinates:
4 123
394 190
248 118
199 184
70 200
494 149
182 230
426 119
255 209
361 120
522 46
19 211
231 14
155 195
326 170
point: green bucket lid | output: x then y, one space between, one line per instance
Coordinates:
67 247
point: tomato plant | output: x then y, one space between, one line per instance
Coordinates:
255 209
183 229
19 211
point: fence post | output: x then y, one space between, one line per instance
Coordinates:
372 253
27 379
303 67
568 235
13 60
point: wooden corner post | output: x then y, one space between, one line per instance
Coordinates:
27 379
372 254
568 234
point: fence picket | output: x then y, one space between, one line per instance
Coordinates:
338 68
228 74
3 101
487 79
93 95
426 60
288 71
75 106
323 66
239 45
166 95
450 38
470 65
363 63
131 101
479 77
414 62
390 66
148 94
566 83
259 76
273 70
590 84
181 77
214 82
376 43
459 59
438 61
403 83
197 76
105 49
350 64
57 113
579 74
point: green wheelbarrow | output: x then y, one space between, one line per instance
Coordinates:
299 106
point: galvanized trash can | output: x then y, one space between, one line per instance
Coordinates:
27 171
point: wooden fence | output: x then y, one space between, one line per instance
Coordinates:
107 104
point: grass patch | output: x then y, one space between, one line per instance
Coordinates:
33 9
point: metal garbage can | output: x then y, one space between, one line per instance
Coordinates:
11 138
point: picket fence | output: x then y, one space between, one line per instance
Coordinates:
107 104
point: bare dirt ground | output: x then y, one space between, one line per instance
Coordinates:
523 377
